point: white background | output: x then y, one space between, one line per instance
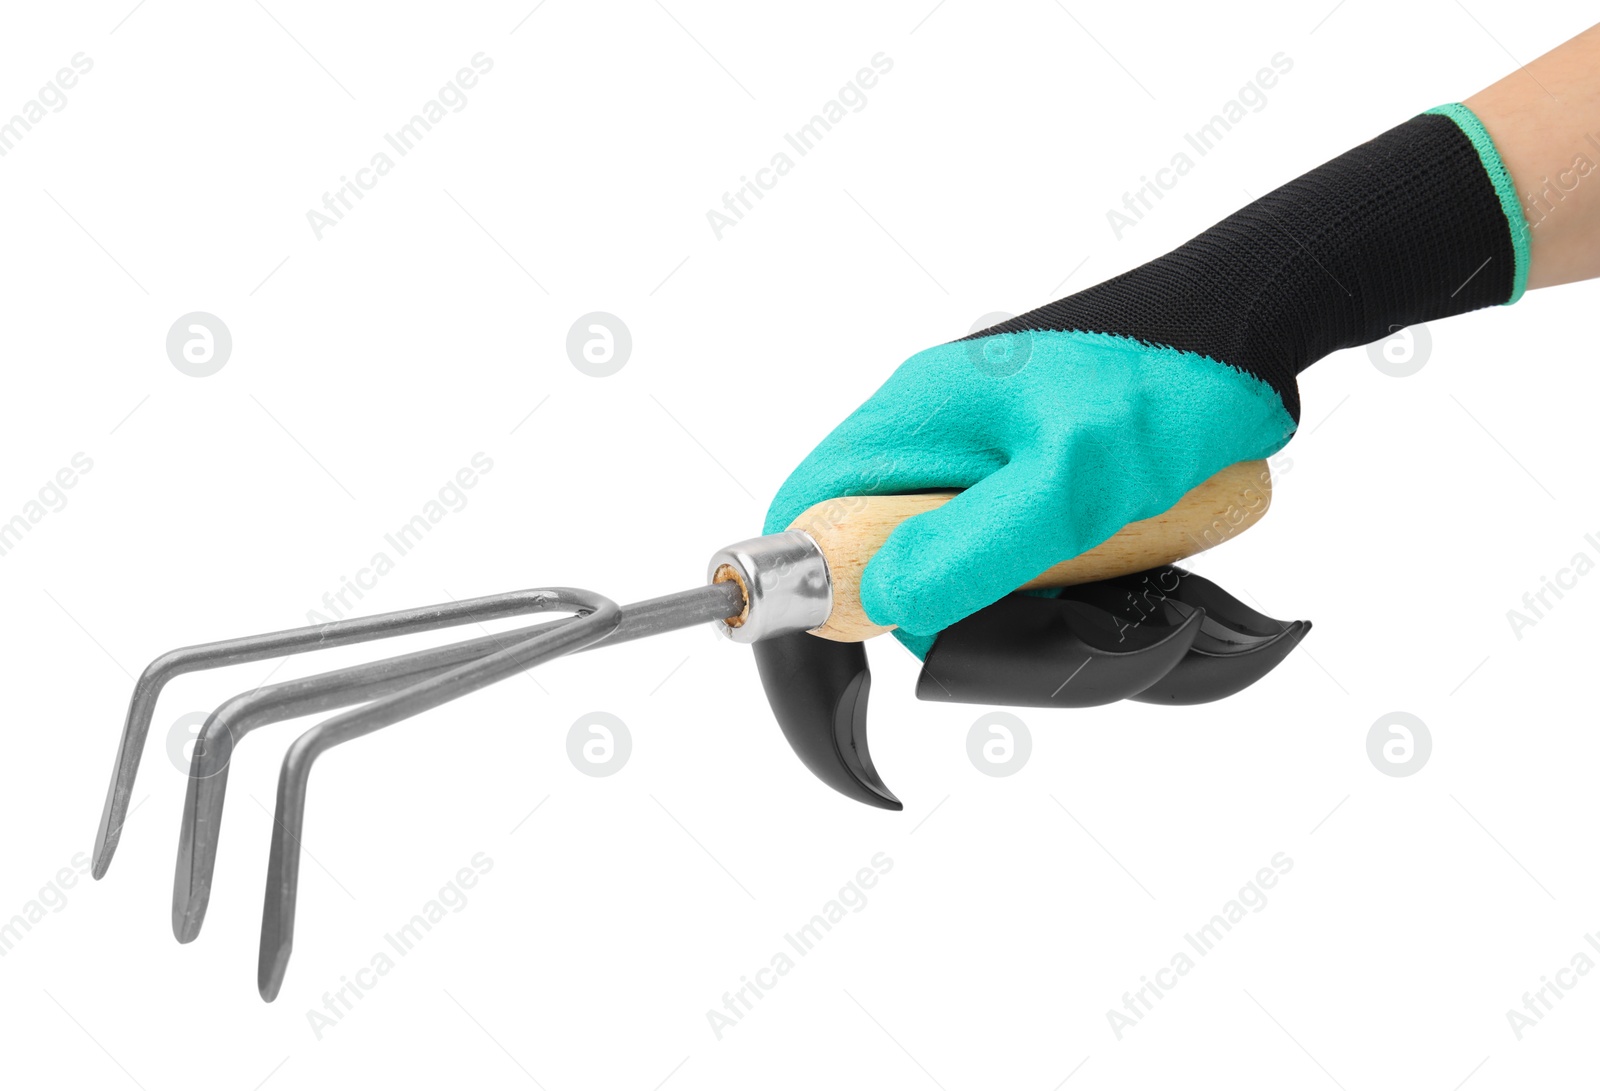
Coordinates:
369 366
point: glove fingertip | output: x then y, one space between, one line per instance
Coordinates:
917 644
910 597
888 597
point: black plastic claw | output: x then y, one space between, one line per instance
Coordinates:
1052 653
1165 636
1207 675
1144 592
1236 648
818 691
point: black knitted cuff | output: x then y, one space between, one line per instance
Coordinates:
1409 227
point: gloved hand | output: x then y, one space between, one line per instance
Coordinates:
1064 424
1058 439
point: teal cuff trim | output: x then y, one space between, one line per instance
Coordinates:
1504 188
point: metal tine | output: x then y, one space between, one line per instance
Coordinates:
244 713
249 649
598 617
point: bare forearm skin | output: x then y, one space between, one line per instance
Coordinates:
1545 122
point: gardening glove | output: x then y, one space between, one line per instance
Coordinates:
1062 425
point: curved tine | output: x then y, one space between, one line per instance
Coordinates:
244 713
237 717
249 649
598 618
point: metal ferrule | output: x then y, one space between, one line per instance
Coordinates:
785 582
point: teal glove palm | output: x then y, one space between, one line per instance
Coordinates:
1058 439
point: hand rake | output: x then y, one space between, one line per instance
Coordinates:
1119 621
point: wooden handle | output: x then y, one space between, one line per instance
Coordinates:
850 529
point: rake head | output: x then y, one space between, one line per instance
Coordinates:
387 691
